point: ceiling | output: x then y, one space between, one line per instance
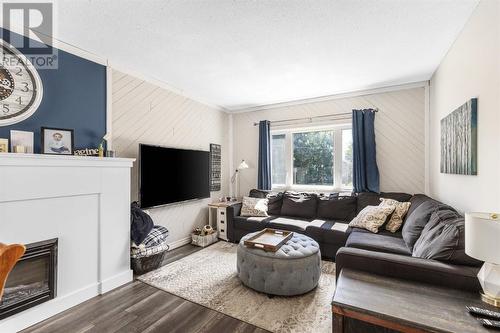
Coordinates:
240 54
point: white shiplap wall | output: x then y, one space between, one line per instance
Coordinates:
143 112
399 131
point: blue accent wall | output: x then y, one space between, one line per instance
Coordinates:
74 97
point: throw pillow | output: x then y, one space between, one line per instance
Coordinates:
373 199
254 207
372 217
396 220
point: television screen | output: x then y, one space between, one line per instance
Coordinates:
169 175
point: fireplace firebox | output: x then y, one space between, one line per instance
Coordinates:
33 279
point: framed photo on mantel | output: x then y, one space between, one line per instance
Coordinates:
57 141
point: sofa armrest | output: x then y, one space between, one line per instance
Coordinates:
231 211
234 210
408 268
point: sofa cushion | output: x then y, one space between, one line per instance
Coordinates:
380 232
342 208
416 201
299 204
408 268
418 218
275 199
373 199
251 223
443 238
328 231
289 223
256 193
372 217
376 242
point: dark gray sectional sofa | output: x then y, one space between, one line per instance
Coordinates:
428 248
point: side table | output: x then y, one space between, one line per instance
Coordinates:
217 212
365 302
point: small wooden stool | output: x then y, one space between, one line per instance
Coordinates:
9 255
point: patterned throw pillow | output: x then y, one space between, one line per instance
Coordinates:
254 207
372 217
396 219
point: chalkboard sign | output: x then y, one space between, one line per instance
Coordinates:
215 167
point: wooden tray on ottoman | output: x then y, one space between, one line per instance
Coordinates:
269 239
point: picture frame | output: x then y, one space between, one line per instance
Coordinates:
4 145
22 141
57 141
215 167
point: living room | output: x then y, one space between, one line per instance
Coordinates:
250 166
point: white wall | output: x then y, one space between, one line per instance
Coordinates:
147 113
470 69
399 131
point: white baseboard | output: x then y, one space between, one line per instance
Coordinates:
179 242
36 314
116 281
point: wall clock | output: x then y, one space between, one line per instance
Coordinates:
21 89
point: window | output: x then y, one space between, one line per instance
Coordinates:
312 158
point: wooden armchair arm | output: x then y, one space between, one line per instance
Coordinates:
9 255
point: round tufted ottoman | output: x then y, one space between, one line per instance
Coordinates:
292 270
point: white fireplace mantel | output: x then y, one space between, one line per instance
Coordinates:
82 201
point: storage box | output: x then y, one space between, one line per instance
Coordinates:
203 241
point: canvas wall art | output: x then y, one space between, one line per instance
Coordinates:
459 140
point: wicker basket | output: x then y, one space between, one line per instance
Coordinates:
146 264
203 241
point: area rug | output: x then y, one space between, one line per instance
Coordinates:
208 277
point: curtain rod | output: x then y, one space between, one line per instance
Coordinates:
310 119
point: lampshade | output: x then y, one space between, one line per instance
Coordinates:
243 165
482 236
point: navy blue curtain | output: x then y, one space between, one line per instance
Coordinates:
264 180
365 170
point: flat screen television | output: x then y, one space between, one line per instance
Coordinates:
169 175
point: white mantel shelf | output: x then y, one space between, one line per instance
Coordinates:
13 159
85 203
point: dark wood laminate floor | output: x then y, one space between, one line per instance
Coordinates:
138 307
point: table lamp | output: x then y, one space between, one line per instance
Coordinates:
482 241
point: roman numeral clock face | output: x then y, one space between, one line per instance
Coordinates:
20 86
